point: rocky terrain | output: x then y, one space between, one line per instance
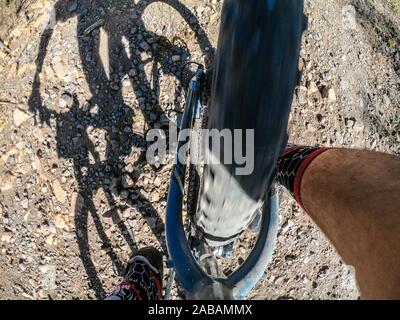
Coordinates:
83 81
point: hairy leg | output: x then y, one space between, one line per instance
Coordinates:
354 198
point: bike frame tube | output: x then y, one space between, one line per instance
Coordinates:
189 273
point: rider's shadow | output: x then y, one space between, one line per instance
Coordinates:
111 114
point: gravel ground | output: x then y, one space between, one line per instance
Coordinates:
76 194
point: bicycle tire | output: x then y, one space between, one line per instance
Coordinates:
255 74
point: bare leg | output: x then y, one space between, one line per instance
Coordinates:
354 198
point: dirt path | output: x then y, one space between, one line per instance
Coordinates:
75 103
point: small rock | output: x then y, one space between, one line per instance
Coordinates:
290 257
93 27
155 197
59 68
310 127
344 85
86 106
152 222
349 123
20 116
41 294
7 182
129 168
392 42
132 73
339 137
359 127
50 240
144 194
25 203
76 204
127 181
126 83
94 110
59 222
176 58
49 277
312 87
331 95
286 227
321 118
124 194
386 101
52 229
157 182
279 280
59 192
143 45
127 213
322 271
302 95
113 215
20 145
66 101
66 173
301 64
6 236
39 169
327 76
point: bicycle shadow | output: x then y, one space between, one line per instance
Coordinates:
112 114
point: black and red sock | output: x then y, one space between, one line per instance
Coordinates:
292 165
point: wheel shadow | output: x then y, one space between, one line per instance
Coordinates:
113 116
